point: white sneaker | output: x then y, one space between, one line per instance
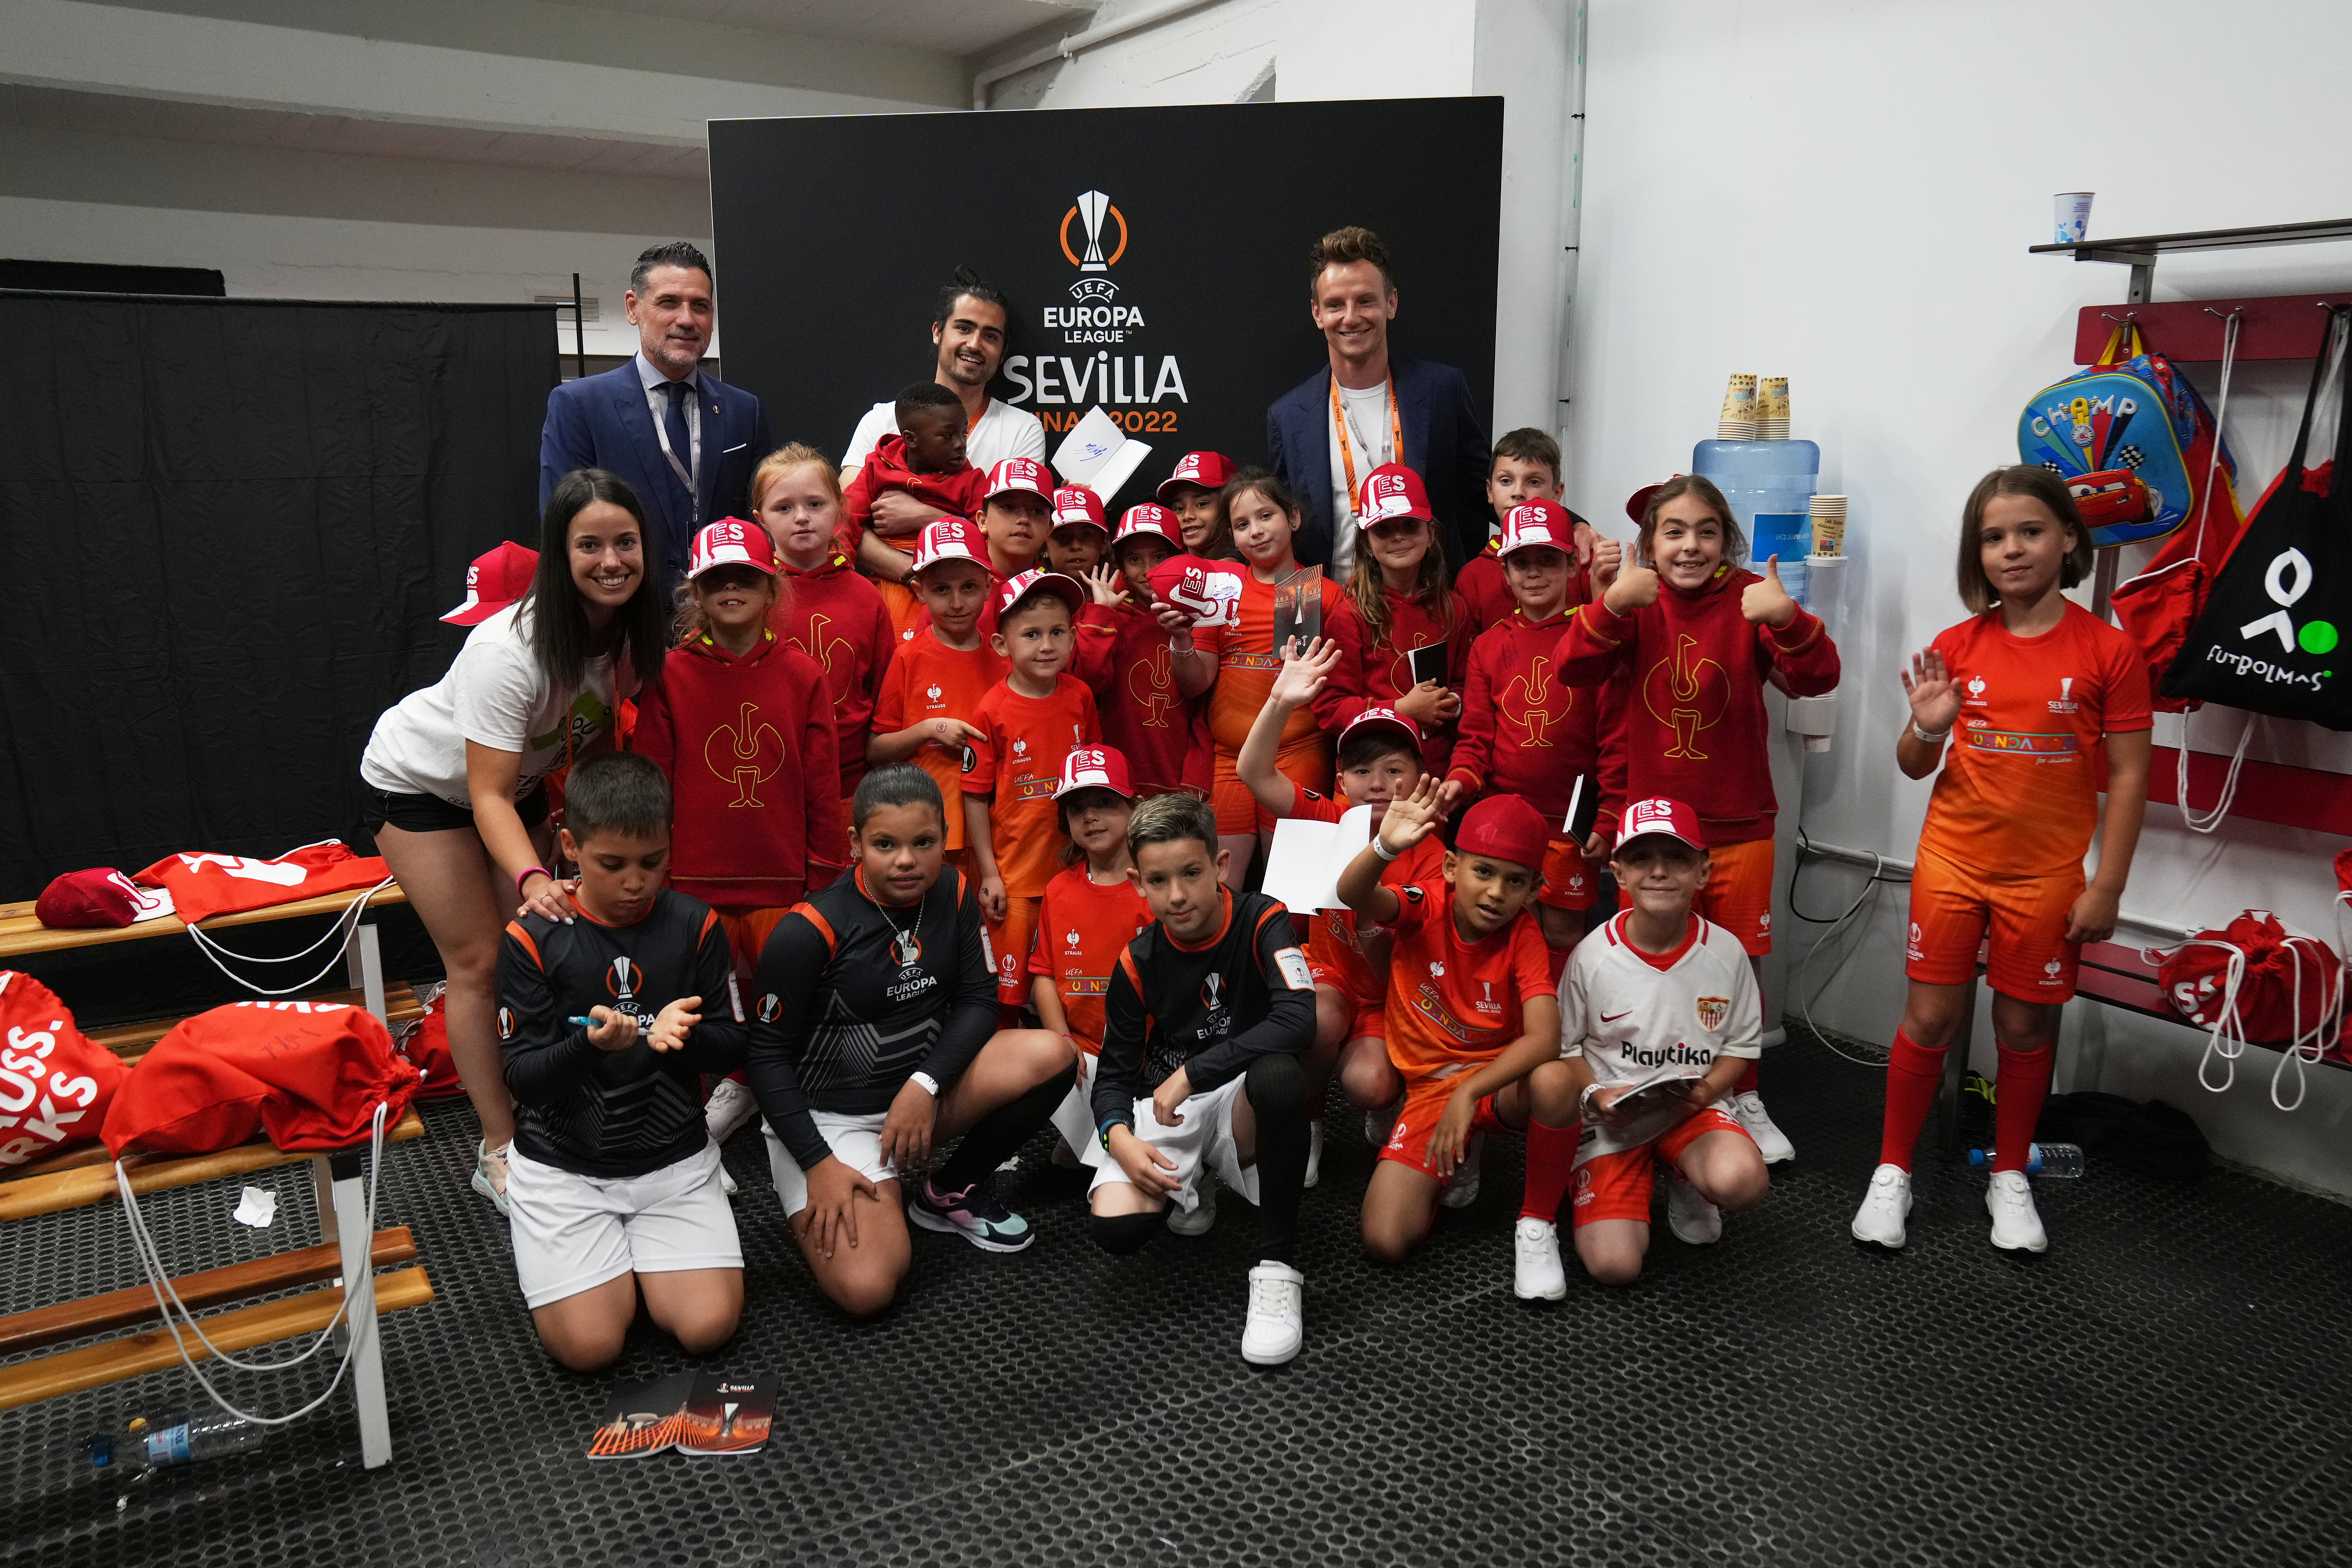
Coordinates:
1314 1151
490 1172
2016 1224
1747 1109
1378 1124
1463 1190
1277 1315
1884 1207
730 1105
1689 1214
1536 1273
1202 1215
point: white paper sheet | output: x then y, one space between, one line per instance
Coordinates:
1303 869
1098 455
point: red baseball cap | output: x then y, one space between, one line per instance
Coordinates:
731 542
950 539
1209 471
1208 591
1660 815
1391 490
1149 518
1021 585
1094 767
492 583
1535 523
102 897
1637 505
1019 474
1075 503
1508 828
1383 718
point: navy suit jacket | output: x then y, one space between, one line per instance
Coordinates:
1445 443
602 422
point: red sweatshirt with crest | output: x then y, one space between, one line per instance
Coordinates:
838 619
750 747
1123 654
959 493
1525 730
1694 726
1373 670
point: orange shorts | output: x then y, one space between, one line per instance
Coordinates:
900 601
1570 880
747 932
1425 1105
1008 945
1307 763
1617 1186
1739 893
1952 906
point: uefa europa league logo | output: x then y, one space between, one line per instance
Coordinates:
1092 205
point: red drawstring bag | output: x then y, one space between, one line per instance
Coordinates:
2252 984
204 885
425 1043
56 1082
309 1075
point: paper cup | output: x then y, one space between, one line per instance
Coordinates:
1829 525
2073 214
1738 420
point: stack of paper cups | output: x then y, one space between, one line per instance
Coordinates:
1738 422
1829 525
1772 408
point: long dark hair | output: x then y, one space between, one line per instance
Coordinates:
559 627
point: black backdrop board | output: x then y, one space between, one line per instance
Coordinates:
230 527
836 232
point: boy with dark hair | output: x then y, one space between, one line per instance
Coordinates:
924 460
1524 466
1028 723
1132 660
1186 1086
607 1025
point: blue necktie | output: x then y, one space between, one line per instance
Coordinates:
681 443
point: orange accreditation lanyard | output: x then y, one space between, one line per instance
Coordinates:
1347 450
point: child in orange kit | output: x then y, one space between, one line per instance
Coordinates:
1698 638
1397 602
924 460
942 670
1028 723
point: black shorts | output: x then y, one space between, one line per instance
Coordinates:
431 813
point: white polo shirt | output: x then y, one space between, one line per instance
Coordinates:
1004 431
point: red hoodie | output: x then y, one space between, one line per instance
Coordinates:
1695 727
743 740
837 618
1486 593
1375 672
1123 654
1525 730
960 493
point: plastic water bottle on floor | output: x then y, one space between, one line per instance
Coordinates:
171 1442
2058 1161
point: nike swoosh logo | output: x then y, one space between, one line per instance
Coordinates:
1612 1017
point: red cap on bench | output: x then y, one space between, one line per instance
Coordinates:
100 897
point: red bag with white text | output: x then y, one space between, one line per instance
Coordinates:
204 885
55 1082
2252 984
310 1075
425 1041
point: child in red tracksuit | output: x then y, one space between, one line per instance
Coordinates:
1698 639
1525 468
924 460
826 610
743 725
1128 656
1397 602
1526 731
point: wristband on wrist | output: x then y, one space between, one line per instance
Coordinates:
1381 848
1584 1100
1104 1135
527 876
1935 738
930 1085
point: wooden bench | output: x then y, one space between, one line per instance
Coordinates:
346 1254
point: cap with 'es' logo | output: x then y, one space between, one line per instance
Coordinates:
1020 586
1660 815
1020 474
1535 523
1075 503
1384 719
1391 490
493 582
1209 471
1149 520
1094 767
731 542
949 539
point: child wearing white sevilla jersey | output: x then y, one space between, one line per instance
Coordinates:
1657 987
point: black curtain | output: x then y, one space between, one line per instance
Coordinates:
230 527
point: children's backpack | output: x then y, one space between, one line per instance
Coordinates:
2132 414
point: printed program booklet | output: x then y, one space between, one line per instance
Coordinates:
701 1414
1654 1103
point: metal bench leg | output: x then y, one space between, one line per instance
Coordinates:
359 1282
364 961
1958 1062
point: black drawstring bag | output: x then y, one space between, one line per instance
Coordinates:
2153 1139
2268 641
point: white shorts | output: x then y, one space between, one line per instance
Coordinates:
572 1233
1074 1119
856 1141
1205 1137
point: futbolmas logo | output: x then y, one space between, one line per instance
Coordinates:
2290 577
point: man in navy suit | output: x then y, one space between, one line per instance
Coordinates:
1371 406
685 440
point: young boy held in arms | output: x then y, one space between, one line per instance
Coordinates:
925 461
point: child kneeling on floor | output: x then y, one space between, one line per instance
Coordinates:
1210 1010
606 1025
1657 987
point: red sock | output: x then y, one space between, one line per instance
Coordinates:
1913 1071
2020 1086
1747 1084
1551 1161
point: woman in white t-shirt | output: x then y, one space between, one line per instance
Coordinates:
457 774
